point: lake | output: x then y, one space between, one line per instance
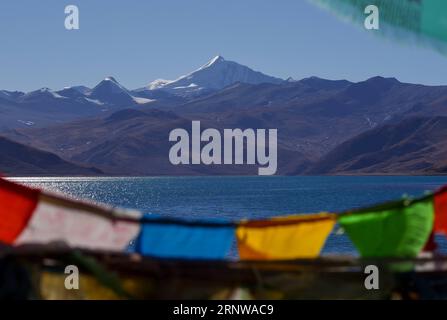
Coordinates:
243 197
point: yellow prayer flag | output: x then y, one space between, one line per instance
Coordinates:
291 237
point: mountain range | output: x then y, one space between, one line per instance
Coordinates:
376 126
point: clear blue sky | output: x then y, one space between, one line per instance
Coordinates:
138 41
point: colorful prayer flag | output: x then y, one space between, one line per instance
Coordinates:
397 230
440 203
284 238
185 241
422 20
17 204
79 226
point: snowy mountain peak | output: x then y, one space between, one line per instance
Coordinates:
109 84
216 74
111 79
111 92
213 61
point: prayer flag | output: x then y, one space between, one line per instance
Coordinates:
185 241
397 230
17 204
78 225
284 238
440 203
422 20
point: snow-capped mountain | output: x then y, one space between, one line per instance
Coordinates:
111 92
217 74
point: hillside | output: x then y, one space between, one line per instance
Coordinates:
413 146
20 160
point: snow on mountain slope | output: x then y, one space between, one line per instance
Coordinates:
111 92
10 96
217 74
157 84
74 91
41 94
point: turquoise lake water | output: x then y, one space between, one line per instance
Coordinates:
242 197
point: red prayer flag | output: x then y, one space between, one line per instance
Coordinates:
431 244
17 204
440 203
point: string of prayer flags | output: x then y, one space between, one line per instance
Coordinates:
292 237
390 231
398 229
186 241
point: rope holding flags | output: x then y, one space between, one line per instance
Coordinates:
400 229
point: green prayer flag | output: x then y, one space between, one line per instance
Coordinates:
434 18
415 21
399 231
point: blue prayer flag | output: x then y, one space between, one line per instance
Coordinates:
185 241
